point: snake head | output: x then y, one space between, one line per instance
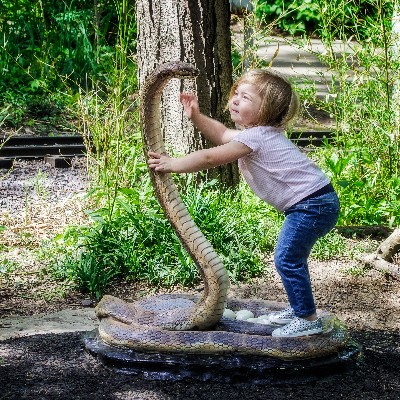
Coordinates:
176 69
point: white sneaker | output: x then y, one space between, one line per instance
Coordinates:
299 327
282 317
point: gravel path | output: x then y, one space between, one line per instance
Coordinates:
31 182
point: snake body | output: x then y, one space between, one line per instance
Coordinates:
188 324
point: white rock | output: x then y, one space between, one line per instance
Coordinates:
253 320
264 319
244 315
229 314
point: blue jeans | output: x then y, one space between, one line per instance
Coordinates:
304 224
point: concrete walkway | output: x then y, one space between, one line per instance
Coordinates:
68 320
299 62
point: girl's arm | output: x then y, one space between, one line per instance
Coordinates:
199 160
213 130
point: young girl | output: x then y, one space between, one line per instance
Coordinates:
262 103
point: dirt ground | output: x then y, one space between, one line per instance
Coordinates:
56 366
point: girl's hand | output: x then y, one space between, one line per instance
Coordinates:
190 104
160 162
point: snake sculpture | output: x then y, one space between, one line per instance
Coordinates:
189 324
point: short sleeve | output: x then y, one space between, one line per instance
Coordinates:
255 137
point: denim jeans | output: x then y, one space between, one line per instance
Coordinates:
304 224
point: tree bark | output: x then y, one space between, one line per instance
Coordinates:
383 257
195 31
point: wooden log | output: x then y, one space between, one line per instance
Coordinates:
382 258
389 247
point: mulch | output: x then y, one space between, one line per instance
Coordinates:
57 366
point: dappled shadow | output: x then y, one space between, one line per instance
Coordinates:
57 367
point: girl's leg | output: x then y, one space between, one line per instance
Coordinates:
305 222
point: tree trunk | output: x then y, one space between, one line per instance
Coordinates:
195 31
383 257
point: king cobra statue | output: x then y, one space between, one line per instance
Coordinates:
189 324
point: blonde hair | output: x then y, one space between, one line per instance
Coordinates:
280 104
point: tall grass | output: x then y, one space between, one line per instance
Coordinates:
50 49
362 64
365 161
139 244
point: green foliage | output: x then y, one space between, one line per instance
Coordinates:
310 16
7 266
138 243
89 271
52 46
359 19
293 17
357 270
329 246
369 196
240 227
365 160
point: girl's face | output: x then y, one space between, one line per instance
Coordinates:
245 105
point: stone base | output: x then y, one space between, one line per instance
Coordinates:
229 368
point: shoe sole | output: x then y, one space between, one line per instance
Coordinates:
297 334
281 321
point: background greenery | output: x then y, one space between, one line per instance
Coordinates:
51 49
73 62
308 16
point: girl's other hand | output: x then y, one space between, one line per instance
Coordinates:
159 162
190 104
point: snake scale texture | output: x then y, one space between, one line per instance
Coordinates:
189 324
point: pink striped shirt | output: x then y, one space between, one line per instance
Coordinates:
276 170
